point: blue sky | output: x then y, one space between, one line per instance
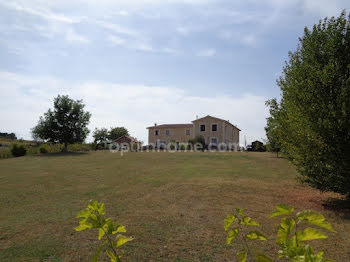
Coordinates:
135 63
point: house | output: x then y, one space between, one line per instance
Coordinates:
215 131
127 141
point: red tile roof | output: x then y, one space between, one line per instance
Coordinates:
172 126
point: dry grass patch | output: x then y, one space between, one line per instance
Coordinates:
172 203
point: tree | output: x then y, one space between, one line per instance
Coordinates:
100 135
116 132
314 112
66 123
272 127
9 135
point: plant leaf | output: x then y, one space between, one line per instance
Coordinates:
83 227
242 256
119 229
263 258
240 211
310 234
111 255
229 220
247 221
284 229
83 213
256 235
121 240
314 218
282 209
101 233
232 234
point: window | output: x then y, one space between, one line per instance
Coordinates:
214 141
157 133
214 127
167 132
202 128
188 132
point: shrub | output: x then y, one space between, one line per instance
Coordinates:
5 153
18 150
43 149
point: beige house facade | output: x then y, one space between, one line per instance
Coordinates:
216 132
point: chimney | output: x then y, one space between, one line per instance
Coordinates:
196 116
155 124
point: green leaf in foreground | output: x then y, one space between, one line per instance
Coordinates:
248 221
229 220
256 235
314 218
121 240
282 209
284 229
242 256
310 234
232 234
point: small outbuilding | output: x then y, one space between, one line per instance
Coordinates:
127 141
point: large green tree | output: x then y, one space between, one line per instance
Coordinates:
100 135
116 132
272 127
314 122
66 123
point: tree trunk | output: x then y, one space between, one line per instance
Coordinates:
65 147
277 154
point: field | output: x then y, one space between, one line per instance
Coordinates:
173 204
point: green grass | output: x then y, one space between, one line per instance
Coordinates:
172 203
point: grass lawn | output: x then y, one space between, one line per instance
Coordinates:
173 204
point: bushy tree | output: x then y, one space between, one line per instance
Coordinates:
9 135
18 150
66 123
100 136
116 132
314 113
272 127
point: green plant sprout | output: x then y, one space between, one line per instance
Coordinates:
93 217
291 237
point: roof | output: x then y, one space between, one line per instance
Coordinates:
132 139
172 126
227 122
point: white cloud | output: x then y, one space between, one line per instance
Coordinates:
206 52
183 30
73 37
133 106
41 12
143 47
115 40
169 50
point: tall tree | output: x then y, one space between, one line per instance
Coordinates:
116 132
272 127
314 126
66 123
100 135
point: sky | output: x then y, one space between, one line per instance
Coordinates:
136 63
